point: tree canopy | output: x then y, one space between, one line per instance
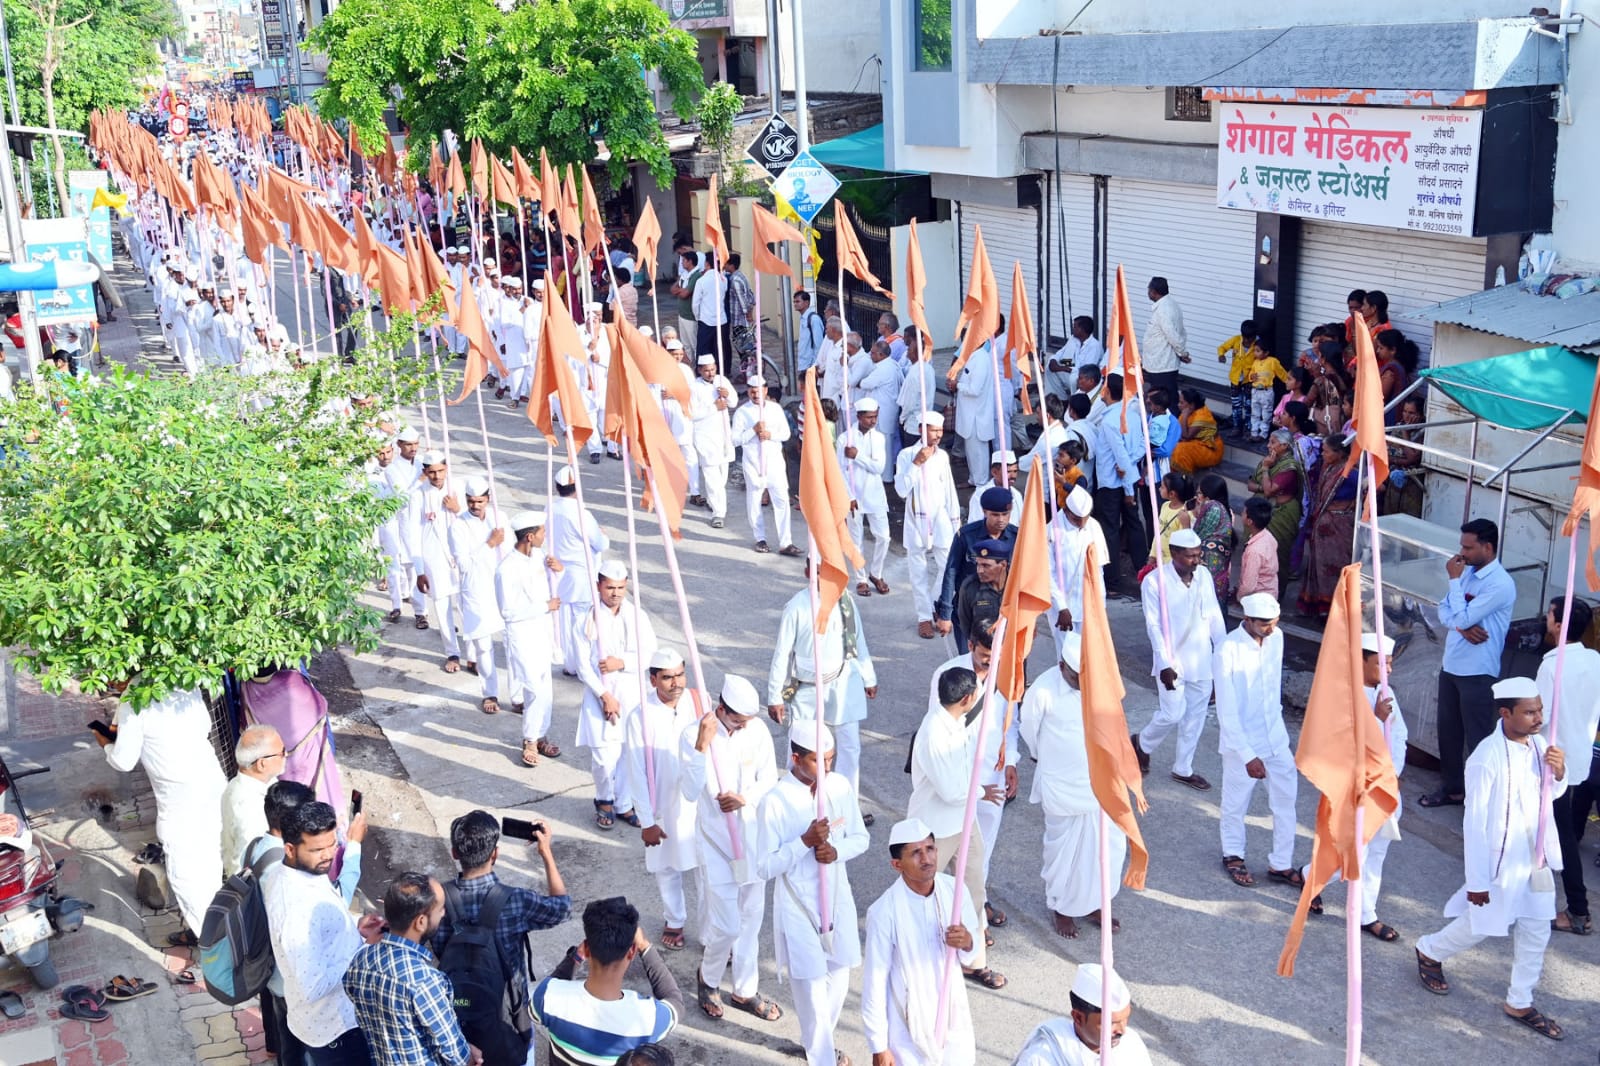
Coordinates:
558 74
104 62
164 531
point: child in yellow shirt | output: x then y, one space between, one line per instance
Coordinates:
1265 371
1242 348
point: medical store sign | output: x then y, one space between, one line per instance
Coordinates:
1393 167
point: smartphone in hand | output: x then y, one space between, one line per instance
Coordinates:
104 730
355 802
517 829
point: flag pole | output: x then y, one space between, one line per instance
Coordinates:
942 1009
1155 499
633 569
1105 935
814 558
1000 426
1352 940
1545 782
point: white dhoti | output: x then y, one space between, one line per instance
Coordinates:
1182 710
1237 786
730 923
1072 862
189 837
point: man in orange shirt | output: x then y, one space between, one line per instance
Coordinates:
1258 567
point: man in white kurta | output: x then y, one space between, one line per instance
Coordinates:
909 929
882 383
479 540
1073 531
759 430
512 314
919 393
680 419
1075 1040
1506 890
863 457
392 480
976 412
1183 669
711 400
650 746
615 643
169 738
525 590
1248 669
576 540
728 766
430 512
1052 727
845 670
923 479
798 851
1576 721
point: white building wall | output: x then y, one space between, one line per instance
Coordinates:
1576 227
1172 17
842 46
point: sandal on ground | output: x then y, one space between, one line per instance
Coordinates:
1539 1023
1431 974
986 977
761 548
452 664
383 584
422 622
758 1005
393 616
867 818
83 1010
1576 923
11 1005
530 753
95 995
996 918
1315 906
548 749
863 589
710 999
121 989
183 938
1234 865
186 977
150 853
605 815
632 818
794 553
881 585
490 705
470 666
1441 799
1290 876
672 939
925 630
1380 931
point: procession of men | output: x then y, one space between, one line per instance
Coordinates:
537 593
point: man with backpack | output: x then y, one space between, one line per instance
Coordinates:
482 943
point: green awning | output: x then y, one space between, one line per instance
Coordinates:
1524 390
862 150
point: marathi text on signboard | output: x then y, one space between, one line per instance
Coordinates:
1393 167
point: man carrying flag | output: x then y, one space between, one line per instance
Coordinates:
760 428
923 479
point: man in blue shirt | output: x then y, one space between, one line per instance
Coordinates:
811 333
1476 611
1116 476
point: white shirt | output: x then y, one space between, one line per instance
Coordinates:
314 937
709 308
762 460
604 633
786 813
975 505
997 718
919 392
427 532
1249 688
656 759
1195 617
975 405
1164 338
568 527
1069 563
524 587
933 510
864 474
902 966
797 642
1056 1043
169 738
1579 715
941 771
882 383
713 441
1052 727
244 817
748 767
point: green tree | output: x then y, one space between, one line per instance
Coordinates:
165 531
558 74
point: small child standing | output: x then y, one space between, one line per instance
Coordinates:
1265 372
1241 347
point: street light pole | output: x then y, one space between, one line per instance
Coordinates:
13 212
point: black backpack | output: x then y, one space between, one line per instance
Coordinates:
235 944
487 1004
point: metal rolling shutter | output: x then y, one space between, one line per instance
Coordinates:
1076 231
1205 252
1415 270
1010 234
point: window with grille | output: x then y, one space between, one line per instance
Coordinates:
1187 103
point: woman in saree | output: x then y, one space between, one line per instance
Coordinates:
1402 494
1200 446
1330 526
1213 524
1280 479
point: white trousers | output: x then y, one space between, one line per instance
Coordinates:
528 662
402 576
879 524
847 753
978 452
194 858
973 883
989 815
520 380
780 510
692 462
674 904
610 783
730 924
714 486
1528 939
1184 710
927 570
449 609
688 329
481 652
1237 786
1261 404
1371 875
570 616
818 1002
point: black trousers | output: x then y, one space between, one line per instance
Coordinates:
1466 716
1118 520
1168 380
705 343
275 1027
1572 812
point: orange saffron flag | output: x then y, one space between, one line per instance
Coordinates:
435 278
552 374
771 230
505 188
338 250
1019 335
713 227
1123 345
852 259
980 312
594 227
571 226
634 416
1586 498
1113 767
257 226
436 171
1343 753
480 346
647 237
654 362
457 181
527 187
916 285
1367 411
549 186
1026 595
825 502
480 169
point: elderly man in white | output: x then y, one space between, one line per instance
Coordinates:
922 477
513 315
615 643
1072 532
882 383
260 754
1248 668
976 409
863 457
919 392
760 429
711 400
1166 344
799 850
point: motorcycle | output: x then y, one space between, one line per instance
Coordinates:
32 910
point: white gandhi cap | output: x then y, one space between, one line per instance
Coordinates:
909 831
933 419
1072 650
1185 538
704 360
665 659
866 405
1259 605
564 476
527 520
408 436
433 458
1006 457
1515 688
740 696
1079 502
1369 642
1089 982
803 735
757 382
615 570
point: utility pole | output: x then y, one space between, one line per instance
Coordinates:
13 212
775 86
801 122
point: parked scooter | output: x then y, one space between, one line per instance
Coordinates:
32 911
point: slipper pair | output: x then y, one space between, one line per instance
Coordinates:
121 989
84 1004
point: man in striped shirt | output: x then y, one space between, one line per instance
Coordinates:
592 1022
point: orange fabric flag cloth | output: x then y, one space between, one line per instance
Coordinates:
1019 335
456 180
435 278
847 246
1343 753
825 502
480 170
1586 498
480 346
633 414
916 285
527 185
1026 595
257 226
1123 345
571 223
552 374
771 230
505 187
594 227
647 237
713 225
654 362
549 186
1367 411
1113 768
980 313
